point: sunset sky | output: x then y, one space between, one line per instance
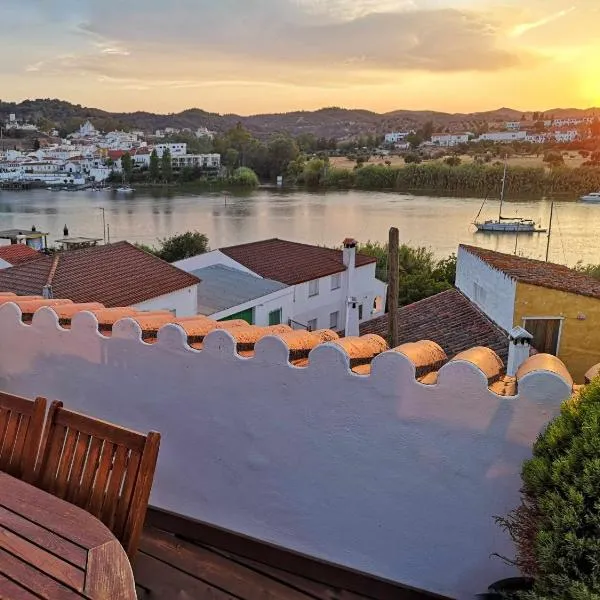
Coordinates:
249 56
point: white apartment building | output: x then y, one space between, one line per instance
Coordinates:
569 121
566 137
332 289
176 149
535 137
503 136
202 161
449 139
396 136
512 125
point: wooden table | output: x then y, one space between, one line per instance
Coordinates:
53 550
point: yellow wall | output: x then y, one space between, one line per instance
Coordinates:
579 346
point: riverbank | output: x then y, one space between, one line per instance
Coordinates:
474 179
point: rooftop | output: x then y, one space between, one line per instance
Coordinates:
223 287
9 234
291 262
537 272
16 254
115 275
449 319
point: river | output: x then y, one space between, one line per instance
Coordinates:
440 223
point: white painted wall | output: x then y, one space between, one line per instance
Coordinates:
497 300
281 299
4 264
184 302
378 473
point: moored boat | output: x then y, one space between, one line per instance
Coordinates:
592 198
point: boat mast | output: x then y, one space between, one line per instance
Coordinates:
549 231
503 188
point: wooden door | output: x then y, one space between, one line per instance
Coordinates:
545 334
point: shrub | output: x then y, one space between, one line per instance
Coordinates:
245 177
412 158
453 161
557 527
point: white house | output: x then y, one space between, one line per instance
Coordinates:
503 136
332 289
396 136
565 137
536 137
176 149
202 161
449 139
512 125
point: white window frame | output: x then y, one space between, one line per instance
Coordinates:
548 318
335 314
313 288
336 281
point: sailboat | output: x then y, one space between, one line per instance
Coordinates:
506 224
124 188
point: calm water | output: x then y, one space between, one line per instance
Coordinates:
321 218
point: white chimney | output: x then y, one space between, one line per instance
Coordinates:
519 346
352 321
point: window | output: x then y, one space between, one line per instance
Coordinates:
336 281
312 325
479 294
545 332
334 318
313 288
275 317
360 312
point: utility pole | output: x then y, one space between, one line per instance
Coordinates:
103 223
108 232
393 284
549 231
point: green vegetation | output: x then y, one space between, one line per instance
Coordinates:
557 526
591 270
244 177
421 275
179 247
166 165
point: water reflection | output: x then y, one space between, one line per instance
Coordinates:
313 217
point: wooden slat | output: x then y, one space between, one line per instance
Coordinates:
141 494
16 403
38 583
51 513
101 429
119 468
17 460
12 590
4 414
42 537
64 467
83 496
215 569
109 573
41 559
124 503
314 588
50 467
99 486
166 583
81 450
10 436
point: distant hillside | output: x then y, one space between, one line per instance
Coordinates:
326 122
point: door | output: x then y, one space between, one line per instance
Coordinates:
546 334
275 317
245 315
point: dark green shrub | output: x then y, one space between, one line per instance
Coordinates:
557 527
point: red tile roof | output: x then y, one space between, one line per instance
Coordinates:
115 154
449 319
537 272
15 254
115 275
290 262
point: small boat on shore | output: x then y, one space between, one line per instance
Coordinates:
592 198
125 189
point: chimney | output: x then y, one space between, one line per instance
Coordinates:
47 293
518 349
349 257
66 231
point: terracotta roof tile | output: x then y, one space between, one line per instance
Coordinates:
537 272
115 275
15 254
449 319
290 262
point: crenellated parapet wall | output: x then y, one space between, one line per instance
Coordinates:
377 472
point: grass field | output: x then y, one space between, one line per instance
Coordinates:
572 159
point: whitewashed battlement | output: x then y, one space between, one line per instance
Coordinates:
380 473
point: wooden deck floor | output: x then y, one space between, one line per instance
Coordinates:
170 568
180 559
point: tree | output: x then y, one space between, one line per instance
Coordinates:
245 177
554 159
281 150
154 166
412 157
452 161
166 165
231 158
127 165
414 139
426 131
36 144
595 127
180 246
